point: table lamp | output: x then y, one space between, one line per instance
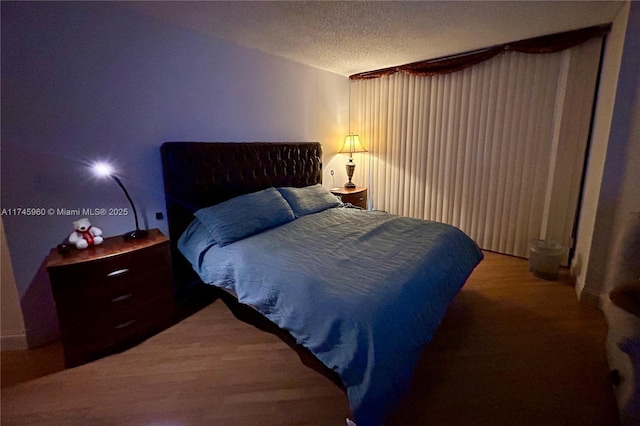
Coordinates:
104 169
351 144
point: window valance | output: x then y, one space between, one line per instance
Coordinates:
448 64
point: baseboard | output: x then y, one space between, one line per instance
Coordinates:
586 296
14 342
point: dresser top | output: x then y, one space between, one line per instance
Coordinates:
112 246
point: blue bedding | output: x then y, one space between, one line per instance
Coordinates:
363 291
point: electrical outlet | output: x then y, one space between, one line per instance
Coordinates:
159 216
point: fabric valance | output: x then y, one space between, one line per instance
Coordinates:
448 64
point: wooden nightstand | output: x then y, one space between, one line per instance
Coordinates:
111 296
356 196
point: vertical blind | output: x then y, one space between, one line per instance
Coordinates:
496 149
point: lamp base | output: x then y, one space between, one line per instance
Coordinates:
136 235
349 185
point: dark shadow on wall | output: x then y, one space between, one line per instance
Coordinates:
39 310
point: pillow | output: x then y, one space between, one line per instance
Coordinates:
194 243
309 199
245 215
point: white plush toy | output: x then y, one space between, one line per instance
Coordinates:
84 234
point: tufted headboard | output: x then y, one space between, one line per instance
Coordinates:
201 174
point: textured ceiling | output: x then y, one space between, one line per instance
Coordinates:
348 37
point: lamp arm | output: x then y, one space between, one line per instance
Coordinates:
135 213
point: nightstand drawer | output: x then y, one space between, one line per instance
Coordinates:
357 199
85 291
123 326
356 196
115 296
88 276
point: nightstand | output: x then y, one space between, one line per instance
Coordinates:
112 296
356 196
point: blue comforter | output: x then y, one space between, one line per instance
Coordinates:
363 291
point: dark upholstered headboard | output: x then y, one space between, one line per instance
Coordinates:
201 174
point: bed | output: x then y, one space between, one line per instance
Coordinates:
359 293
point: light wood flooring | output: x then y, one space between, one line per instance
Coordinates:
512 350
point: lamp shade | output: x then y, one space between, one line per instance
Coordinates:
352 144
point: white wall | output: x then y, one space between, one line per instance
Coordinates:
83 81
611 186
624 257
12 330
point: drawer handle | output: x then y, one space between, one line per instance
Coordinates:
118 272
124 325
121 298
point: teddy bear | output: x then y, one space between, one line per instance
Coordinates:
85 235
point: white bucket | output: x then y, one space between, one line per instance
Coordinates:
545 258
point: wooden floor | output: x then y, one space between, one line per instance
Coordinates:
512 350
